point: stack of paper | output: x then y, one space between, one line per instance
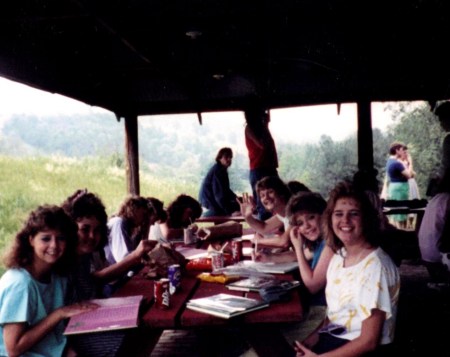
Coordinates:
256 283
225 305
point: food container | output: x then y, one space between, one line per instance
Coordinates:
217 261
189 236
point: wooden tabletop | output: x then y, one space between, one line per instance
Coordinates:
278 312
177 316
260 327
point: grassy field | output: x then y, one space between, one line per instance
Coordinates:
30 182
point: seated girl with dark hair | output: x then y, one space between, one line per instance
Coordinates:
33 289
92 276
181 213
93 271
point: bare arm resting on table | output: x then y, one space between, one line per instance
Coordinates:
19 337
366 342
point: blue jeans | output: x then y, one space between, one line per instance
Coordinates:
210 212
255 176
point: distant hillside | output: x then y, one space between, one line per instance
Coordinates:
186 151
181 148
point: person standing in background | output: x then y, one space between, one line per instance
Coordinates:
413 187
215 192
397 176
262 152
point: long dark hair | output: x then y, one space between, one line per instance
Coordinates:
46 217
177 207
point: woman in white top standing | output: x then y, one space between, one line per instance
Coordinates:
363 283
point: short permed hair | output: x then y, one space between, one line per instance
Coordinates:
276 184
395 146
370 217
310 202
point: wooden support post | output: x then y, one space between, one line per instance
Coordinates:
132 154
366 170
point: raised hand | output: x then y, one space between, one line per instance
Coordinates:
247 205
296 238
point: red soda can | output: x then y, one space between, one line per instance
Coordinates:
174 274
162 294
217 261
236 250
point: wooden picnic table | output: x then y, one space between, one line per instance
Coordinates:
260 327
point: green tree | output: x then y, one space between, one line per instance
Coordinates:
419 129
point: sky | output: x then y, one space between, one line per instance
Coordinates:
301 125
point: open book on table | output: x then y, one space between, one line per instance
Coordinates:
112 314
256 283
225 305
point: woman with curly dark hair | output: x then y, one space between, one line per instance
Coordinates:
33 289
92 276
93 272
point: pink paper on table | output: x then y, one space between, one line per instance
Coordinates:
113 314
